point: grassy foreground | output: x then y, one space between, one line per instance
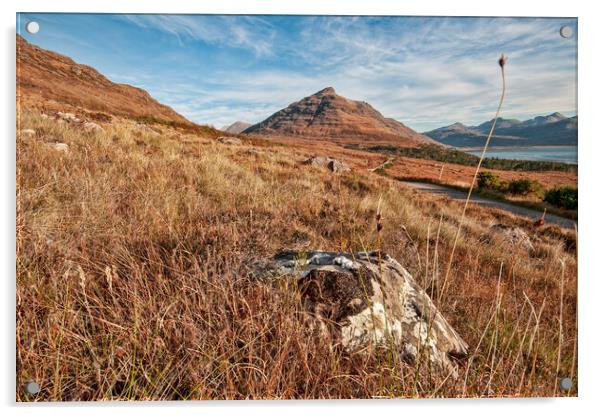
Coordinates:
134 257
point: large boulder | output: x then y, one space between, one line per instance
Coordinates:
366 300
330 163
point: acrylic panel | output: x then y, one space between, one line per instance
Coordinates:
295 207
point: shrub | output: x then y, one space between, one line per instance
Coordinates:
488 180
563 196
524 186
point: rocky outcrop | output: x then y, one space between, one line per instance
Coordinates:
366 300
330 163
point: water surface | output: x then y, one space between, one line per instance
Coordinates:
565 154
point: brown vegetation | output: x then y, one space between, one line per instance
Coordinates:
134 258
52 82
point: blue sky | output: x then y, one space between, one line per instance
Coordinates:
426 72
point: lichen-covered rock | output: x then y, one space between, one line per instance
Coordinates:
28 132
330 163
514 236
368 299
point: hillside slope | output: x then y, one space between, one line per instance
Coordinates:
51 81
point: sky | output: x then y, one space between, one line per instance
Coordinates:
426 72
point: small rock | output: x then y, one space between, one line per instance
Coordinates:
28 132
68 116
92 127
330 163
44 116
60 147
514 236
229 140
368 299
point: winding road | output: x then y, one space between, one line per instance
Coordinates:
456 194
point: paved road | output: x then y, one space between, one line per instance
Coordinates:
456 194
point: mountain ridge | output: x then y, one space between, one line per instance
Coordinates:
553 129
52 81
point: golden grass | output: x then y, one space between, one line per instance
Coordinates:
134 259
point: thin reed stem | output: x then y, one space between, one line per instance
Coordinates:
502 62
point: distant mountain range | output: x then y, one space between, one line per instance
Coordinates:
549 130
327 115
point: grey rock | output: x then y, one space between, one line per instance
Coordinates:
514 236
67 116
366 300
91 127
330 163
229 140
28 132
60 147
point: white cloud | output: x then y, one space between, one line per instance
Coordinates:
425 72
247 32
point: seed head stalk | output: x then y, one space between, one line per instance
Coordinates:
502 63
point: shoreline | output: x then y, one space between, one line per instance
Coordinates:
512 148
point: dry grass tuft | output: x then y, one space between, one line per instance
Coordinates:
134 252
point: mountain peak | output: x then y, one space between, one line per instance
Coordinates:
326 115
236 127
326 91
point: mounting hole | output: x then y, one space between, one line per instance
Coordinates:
32 27
32 388
566 32
566 384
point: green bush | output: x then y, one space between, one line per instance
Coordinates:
524 186
488 180
563 196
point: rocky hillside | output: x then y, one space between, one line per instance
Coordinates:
554 129
51 81
236 127
326 114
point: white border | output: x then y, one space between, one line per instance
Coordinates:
590 154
